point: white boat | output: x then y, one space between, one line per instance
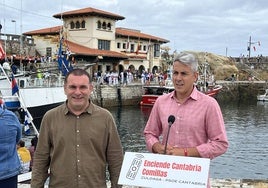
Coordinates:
39 88
263 97
36 94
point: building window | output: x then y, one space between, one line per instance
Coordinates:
108 68
104 25
156 50
145 48
77 25
118 45
72 25
104 44
83 24
109 26
132 48
124 46
99 25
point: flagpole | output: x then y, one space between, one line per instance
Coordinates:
21 102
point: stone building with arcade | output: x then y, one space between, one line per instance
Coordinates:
91 37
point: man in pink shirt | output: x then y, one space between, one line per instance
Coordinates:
198 129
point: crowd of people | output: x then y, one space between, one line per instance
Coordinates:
79 142
127 77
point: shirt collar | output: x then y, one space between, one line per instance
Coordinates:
193 95
89 109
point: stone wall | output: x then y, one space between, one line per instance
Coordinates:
105 95
241 90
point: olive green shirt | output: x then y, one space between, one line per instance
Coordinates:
75 150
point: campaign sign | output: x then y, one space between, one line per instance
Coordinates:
157 170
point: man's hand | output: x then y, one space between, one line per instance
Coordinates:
160 148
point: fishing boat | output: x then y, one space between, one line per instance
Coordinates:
212 90
205 84
263 97
151 93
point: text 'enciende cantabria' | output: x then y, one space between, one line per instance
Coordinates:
161 166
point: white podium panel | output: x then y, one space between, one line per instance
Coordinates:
156 170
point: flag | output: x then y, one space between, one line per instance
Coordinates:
14 85
254 48
27 121
2 103
2 52
63 63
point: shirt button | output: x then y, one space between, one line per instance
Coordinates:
77 131
77 145
78 160
79 176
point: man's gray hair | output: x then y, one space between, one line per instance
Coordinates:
188 59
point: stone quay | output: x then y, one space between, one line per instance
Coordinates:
106 96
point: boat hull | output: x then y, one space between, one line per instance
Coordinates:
148 99
12 102
214 91
151 93
263 97
39 111
37 101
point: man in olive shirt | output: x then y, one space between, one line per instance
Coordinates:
77 141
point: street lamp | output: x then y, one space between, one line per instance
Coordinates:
14 21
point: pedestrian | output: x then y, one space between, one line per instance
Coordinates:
24 156
31 149
10 134
198 128
78 141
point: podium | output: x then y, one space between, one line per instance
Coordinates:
157 170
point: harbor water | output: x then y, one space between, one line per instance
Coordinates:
247 131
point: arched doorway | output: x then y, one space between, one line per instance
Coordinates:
140 70
120 68
155 69
131 68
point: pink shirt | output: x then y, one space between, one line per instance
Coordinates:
198 123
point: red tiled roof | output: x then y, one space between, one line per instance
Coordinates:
82 50
50 30
137 34
89 12
119 32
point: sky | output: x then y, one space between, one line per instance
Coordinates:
222 27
